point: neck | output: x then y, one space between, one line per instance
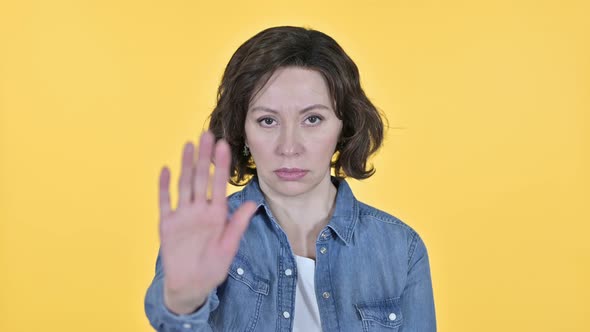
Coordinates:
311 210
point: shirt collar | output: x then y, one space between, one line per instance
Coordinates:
346 211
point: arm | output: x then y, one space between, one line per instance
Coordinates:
164 320
198 239
417 298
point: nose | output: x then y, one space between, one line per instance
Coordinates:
289 142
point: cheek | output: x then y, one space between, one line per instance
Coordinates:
252 135
323 146
259 146
247 130
258 142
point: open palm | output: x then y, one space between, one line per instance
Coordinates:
198 241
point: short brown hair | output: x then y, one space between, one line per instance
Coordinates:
253 64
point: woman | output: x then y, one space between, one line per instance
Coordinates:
293 250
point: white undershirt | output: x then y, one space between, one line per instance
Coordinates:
307 314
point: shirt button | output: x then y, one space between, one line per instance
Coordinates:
324 235
392 316
288 272
323 250
286 314
186 325
240 271
326 295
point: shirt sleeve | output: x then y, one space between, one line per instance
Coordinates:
163 320
417 298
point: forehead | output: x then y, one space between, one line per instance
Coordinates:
293 87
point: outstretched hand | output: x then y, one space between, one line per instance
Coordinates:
198 242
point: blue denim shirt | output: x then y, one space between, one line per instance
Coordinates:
372 274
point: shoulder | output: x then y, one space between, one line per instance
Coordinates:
370 214
235 200
389 226
236 197
249 192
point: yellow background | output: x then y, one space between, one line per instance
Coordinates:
487 156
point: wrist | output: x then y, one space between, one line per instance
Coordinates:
183 306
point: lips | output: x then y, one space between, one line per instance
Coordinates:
290 174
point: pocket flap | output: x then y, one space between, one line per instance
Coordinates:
242 271
386 312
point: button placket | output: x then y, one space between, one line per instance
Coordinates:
327 307
287 284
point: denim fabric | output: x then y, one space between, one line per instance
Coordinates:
372 274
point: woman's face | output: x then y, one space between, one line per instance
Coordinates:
292 131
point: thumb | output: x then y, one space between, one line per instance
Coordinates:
235 228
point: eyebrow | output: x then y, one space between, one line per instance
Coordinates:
308 108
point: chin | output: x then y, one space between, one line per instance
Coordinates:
289 187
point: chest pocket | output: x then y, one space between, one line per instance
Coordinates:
242 271
241 297
380 315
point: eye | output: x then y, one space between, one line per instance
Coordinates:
266 122
314 120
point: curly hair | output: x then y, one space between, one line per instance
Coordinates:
252 65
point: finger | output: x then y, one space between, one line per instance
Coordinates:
184 182
164 191
222 164
230 238
201 178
